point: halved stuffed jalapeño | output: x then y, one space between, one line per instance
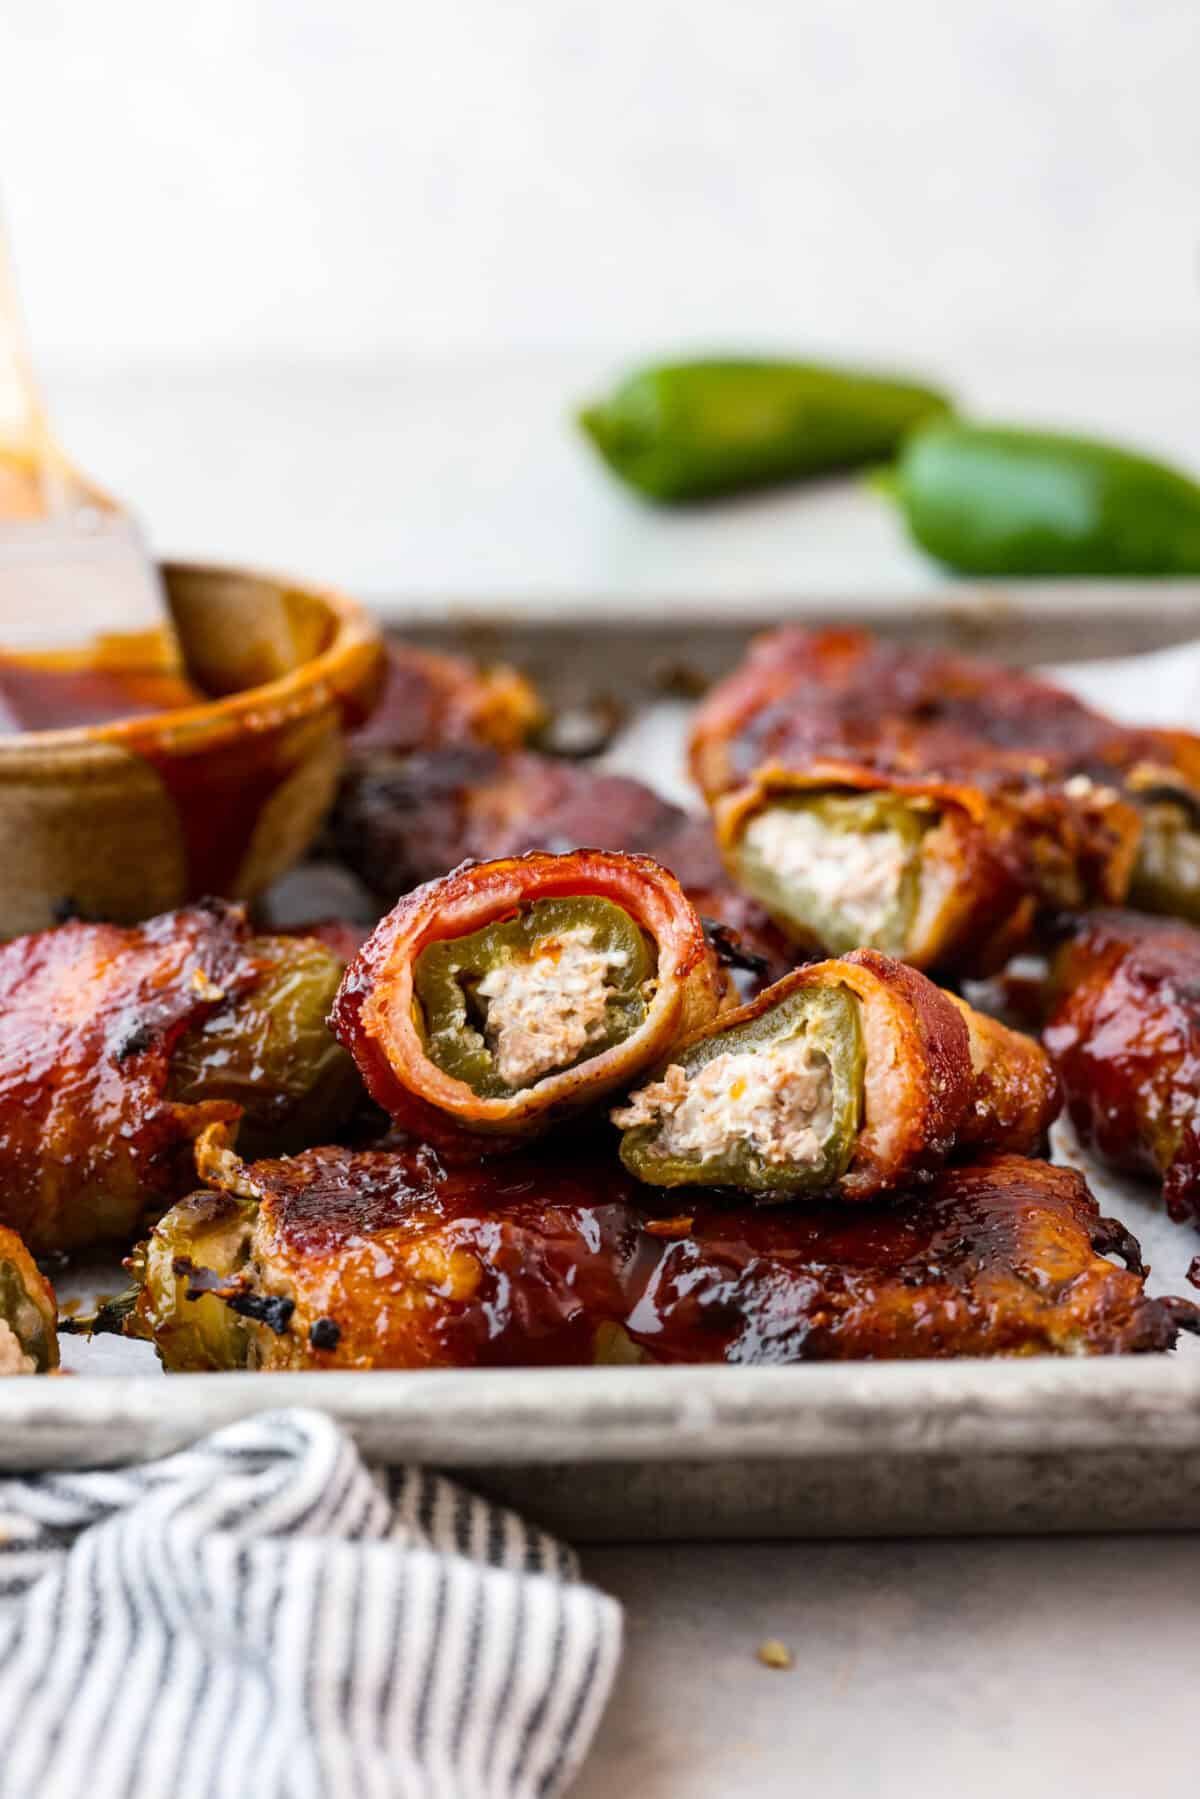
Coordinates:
852 1077
514 992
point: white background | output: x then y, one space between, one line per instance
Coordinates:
314 175
315 282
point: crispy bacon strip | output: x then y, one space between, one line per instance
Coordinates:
376 1014
1124 1029
375 1260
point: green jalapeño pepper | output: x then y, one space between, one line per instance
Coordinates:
28 1335
772 1105
1167 875
560 981
691 430
273 1052
839 868
201 1243
988 500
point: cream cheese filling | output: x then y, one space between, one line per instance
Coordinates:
856 874
779 1100
545 1010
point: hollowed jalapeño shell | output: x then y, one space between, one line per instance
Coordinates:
827 1019
803 905
32 1324
453 1015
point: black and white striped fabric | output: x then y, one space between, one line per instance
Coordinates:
264 1614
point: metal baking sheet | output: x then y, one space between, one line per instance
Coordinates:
716 1452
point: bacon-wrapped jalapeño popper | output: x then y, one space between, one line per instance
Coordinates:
334 1259
944 874
851 1077
512 993
28 1343
119 1045
933 804
1124 1028
389 1259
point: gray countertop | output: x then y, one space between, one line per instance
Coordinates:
1048 1667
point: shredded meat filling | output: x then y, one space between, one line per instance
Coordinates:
779 1100
544 1011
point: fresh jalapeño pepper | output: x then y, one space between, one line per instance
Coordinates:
273 1052
692 430
772 1105
559 982
990 500
838 869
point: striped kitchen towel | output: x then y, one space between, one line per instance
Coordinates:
265 1615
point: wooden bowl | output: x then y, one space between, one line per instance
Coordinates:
127 819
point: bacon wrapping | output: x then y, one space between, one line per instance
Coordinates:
1124 1029
364 1260
403 820
430 699
851 1078
514 993
935 805
28 1311
118 1046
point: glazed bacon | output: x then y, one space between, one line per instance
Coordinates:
403 820
381 1018
1004 1257
1040 802
376 1260
1124 1029
90 1143
430 700
850 697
